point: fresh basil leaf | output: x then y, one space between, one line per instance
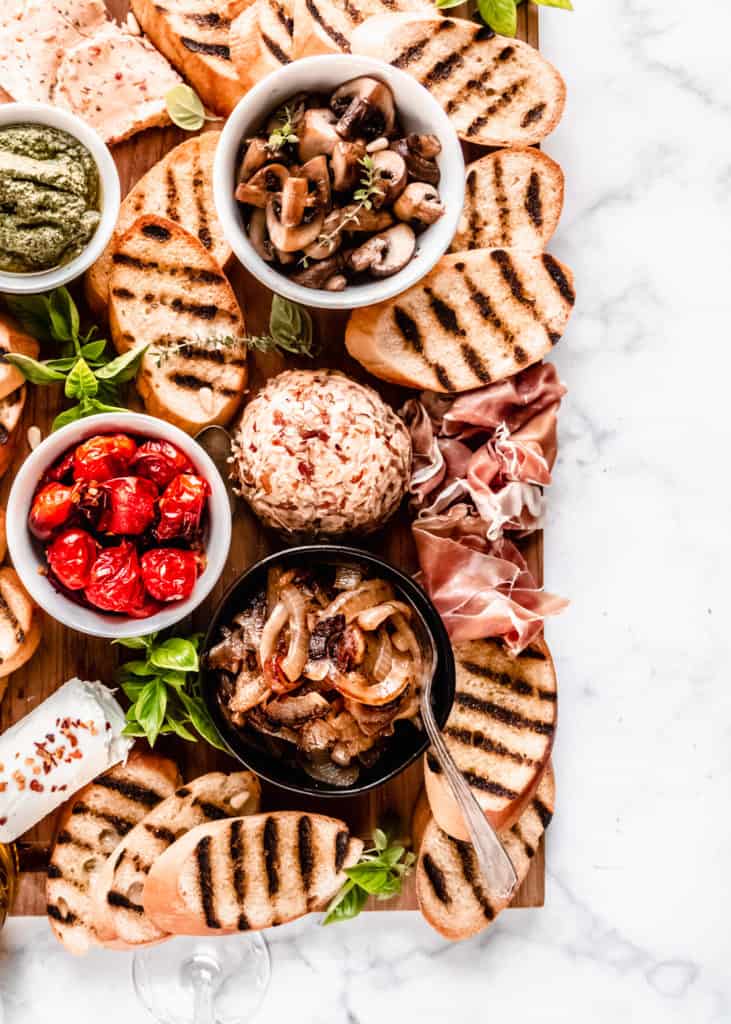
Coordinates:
176 654
124 367
290 326
195 639
202 722
175 679
93 350
69 416
380 839
33 370
565 5
62 365
185 108
150 709
392 856
500 15
444 5
371 877
346 905
93 406
132 689
138 668
177 727
81 382
135 643
133 728
64 315
31 312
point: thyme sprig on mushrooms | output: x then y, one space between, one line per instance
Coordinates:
284 133
369 182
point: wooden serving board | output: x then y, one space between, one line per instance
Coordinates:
64 653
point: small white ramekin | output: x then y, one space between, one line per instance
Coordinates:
27 552
418 112
41 113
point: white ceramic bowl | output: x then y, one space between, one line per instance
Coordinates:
41 113
418 112
27 552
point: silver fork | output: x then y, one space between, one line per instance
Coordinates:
498 874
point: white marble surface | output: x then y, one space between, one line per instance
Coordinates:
636 922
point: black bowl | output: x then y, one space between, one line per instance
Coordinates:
407 742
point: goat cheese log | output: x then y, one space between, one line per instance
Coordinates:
69 739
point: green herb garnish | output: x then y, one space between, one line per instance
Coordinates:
380 872
87 373
284 133
164 688
502 15
161 353
369 181
290 330
185 108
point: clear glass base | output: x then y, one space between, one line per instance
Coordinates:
191 980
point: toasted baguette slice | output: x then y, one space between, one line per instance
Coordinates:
194 36
20 623
326 26
168 291
250 872
499 732
448 886
3 536
118 891
90 826
261 40
13 339
11 410
178 187
513 200
477 317
496 91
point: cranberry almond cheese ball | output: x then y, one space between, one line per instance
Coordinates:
319 455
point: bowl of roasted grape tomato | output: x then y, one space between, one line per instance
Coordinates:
118 524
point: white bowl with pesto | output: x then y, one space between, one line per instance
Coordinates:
32 282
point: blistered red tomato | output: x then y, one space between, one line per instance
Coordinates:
128 505
51 508
62 470
115 581
181 507
160 462
169 574
103 457
71 556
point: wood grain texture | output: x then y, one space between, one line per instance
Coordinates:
64 653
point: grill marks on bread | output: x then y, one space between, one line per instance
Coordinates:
251 872
496 91
167 290
211 797
261 39
92 824
479 316
500 732
20 624
448 881
513 199
326 26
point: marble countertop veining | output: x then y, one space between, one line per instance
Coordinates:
636 922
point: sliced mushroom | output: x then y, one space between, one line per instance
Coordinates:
256 156
259 189
318 177
319 272
294 200
317 135
427 146
420 203
365 107
385 254
285 258
295 711
420 168
326 246
345 165
290 239
390 169
355 218
258 235
337 283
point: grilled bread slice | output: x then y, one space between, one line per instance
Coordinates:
12 387
3 536
477 317
448 887
194 36
118 892
250 872
167 290
496 91
178 187
499 732
326 26
20 623
261 40
513 200
11 409
91 825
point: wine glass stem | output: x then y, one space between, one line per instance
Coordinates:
203 998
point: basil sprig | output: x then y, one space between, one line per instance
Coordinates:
87 372
185 108
290 330
502 15
164 688
380 872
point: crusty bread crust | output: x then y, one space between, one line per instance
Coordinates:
261 40
20 622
